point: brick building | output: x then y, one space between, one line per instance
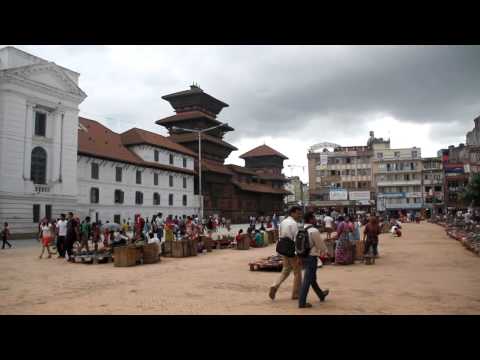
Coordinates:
232 191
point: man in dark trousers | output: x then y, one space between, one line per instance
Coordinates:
62 233
310 262
72 235
5 235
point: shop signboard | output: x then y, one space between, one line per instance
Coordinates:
454 169
359 195
413 194
338 194
391 195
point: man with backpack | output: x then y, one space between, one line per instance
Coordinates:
309 248
288 231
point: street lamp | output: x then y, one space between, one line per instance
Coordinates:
199 132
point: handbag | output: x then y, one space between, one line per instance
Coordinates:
286 247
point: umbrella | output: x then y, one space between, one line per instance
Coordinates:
111 226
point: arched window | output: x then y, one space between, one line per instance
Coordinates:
38 169
156 199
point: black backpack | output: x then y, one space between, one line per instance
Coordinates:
302 242
286 247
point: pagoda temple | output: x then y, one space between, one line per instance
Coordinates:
232 191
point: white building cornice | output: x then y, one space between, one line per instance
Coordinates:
19 76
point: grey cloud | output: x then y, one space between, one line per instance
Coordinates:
416 84
304 92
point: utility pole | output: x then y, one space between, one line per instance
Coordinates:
200 132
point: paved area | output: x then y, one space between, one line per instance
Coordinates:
424 272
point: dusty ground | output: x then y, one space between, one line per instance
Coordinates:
424 272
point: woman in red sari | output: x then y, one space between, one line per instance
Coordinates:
189 227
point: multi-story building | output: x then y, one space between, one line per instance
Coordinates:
135 172
341 176
398 178
298 190
39 106
460 163
432 187
473 136
296 187
52 161
306 194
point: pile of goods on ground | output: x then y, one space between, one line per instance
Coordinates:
467 234
93 257
469 239
223 242
271 263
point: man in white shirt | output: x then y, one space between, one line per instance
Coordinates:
328 225
289 228
61 234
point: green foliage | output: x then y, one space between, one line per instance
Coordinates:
472 191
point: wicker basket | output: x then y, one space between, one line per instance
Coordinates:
150 254
125 256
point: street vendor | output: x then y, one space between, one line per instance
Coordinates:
258 238
106 235
119 238
96 235
417 218
189 227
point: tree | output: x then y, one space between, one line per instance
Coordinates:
471 195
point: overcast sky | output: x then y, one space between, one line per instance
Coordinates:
289 97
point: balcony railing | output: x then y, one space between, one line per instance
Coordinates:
396 171
398 182
41 188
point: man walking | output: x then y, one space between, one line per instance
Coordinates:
5 235
62 233
289 229
72 235
310 262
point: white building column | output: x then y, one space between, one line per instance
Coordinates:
29 123
54 119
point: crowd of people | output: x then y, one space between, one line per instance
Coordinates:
63 233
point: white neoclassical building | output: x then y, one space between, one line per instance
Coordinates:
52 161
